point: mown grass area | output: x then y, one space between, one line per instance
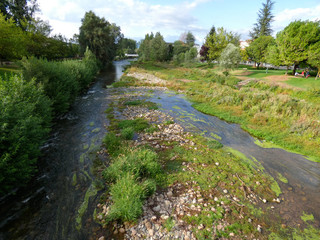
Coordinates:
305 83
286 117
231 184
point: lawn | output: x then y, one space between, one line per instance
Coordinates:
304 83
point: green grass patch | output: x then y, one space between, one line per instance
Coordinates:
304 83
138 124
307 217
147 104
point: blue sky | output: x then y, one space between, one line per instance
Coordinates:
173 17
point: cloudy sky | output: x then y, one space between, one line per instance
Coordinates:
173 17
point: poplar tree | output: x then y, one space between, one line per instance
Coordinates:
263 25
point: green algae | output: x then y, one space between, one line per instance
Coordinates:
96 130
82 157
74 179
91 191
282 178
91 124
215 136
85 146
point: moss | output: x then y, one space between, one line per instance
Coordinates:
276 188
74 179
91 124
82 157
85 146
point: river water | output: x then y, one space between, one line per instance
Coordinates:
48 208
59 203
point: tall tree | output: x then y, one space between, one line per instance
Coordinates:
159 48
190 39
294 41
257 50
19 10
263 25
12 40
100 36
144 50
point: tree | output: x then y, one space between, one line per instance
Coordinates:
19 10
190 39
218 41
314 57
204 53
128 45
263 25
180 47
12 40
294 41
144 50
258 49
230 57
99 36
159 48
272 55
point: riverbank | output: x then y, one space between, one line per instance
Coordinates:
209 191
284 117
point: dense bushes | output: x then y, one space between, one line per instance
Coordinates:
62 81
27 104
24 123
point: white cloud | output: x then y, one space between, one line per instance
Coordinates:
283 18
135 17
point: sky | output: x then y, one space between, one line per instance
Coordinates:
173 17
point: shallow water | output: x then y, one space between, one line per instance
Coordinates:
48 208
302 192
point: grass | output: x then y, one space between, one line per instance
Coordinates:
305 83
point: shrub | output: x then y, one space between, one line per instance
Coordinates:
24 124
62 81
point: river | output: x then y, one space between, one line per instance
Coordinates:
60 201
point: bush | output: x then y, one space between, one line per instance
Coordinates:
24 124
62 81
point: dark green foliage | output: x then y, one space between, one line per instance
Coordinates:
24 123
149 105
62 81
100 36
153 48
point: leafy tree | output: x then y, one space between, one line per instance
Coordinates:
128 45
144 50
180 47
294 41
258 49
314 56
190 39
159 49
12 40
191 55
272 55
212 30
230 57
19 10
99 36
218 41
263 25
